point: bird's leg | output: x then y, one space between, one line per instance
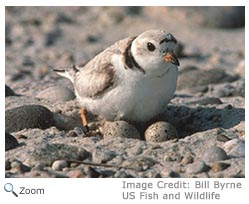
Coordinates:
83 113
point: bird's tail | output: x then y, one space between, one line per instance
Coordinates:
69 72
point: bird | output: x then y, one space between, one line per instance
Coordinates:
132 80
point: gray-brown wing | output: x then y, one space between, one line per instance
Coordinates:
94 83
98 75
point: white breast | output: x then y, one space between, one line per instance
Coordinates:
137 97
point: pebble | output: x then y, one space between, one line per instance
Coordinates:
7 164
219 166
28 116
47 153
9 91
160 132
240 69
222 138
235 148
92 173
76 132
123 174
58 165
103 156
197 167
57 93
214 154
76 173
120 129
63 122
52 36
10 142
187 159
206 101
18 167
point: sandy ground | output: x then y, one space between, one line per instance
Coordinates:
207 111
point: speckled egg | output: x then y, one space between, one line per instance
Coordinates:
160 132
120 129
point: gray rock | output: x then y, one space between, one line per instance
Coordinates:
236 88
57 93
206 101
103 156
52 36
10 142
197 167
240 69
58 165
18 167
214 154
160 132
120 129
9 91
235 148
47 153
28 116
219 166
7 164
63 122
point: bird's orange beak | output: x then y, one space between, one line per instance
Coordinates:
171 58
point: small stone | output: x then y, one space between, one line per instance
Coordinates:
120 129
103 156
71 133
222 138
18 167
92 173
57 93
187 159
63 18
207 101
214 154
28 116
9 91
47 153
63 122
160 132
7 164
122 174
219 166
197 167
240 69
10 142
27 61
77 173
58 165
235 148
52 36
38 167
77 131
21 136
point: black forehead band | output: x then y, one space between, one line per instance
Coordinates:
171 39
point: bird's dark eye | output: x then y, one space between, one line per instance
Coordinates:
151 47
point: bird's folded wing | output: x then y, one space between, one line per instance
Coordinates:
98 75
95 82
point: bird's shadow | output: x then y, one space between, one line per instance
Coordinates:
190 120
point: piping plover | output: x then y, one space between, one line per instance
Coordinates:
132 80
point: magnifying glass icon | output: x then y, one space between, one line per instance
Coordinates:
8 187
